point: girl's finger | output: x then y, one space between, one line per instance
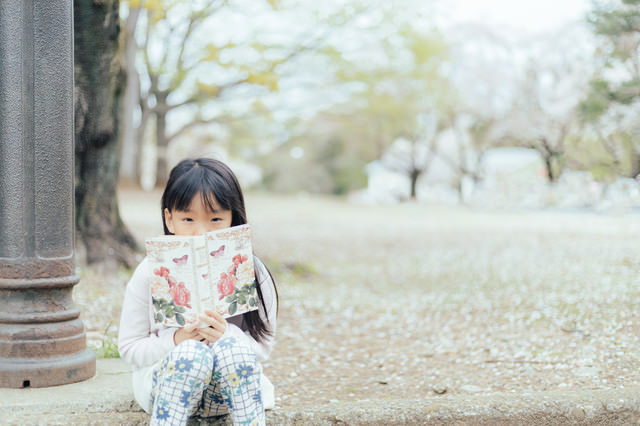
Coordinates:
218 323
210 334
215 315
190 328
207 320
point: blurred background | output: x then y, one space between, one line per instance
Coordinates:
445 191
458 102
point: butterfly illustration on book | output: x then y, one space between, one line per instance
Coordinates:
181 260
218 252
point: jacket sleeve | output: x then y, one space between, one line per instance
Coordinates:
139 343
262 349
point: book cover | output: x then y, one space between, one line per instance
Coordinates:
191 274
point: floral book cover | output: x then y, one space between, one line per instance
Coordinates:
191 274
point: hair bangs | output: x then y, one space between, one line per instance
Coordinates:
215 192
190 185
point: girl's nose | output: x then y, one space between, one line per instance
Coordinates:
201 229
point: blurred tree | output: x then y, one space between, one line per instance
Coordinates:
531 125
187 74
544 111
613 101
98 85
484 76
472 138
335 159
401 94
602 150
130 158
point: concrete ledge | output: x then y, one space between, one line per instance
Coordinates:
620 407
107 399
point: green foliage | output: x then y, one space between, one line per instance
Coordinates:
348 179
344 166
619 29
393 92
297 270
108 347
428 51
597 100
628 91
395 96
617 24
606 158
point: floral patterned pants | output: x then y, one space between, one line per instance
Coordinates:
199 380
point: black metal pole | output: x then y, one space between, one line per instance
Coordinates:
42 339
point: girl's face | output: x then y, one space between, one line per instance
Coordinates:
197 219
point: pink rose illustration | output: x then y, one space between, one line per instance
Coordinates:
172 281
162 272
226 285
232 269
238 259
181 295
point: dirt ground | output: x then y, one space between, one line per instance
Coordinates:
416 301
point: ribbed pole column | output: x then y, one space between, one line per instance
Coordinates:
42 339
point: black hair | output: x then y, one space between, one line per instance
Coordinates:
215 182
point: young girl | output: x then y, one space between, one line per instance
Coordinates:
194 370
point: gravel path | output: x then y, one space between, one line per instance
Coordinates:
413 301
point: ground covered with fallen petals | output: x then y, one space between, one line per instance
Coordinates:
416 301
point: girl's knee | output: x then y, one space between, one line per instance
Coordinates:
232 345
231 352
193 348
191 358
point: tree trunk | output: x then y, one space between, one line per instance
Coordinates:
162 168
635 163
547 163
413 176
131 144
98 86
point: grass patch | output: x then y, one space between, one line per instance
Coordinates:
295 269
107 345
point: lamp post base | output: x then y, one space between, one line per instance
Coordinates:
45 372
42 338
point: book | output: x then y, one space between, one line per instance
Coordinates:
190 274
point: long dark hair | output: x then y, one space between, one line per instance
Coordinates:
214 182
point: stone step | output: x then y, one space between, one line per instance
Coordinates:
106 399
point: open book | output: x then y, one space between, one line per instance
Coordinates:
191 274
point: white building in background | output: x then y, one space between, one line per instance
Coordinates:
510 178
575 189
385 185
388 185
621 195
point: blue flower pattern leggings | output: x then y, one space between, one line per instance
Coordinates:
201 380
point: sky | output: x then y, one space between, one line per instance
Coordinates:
531 16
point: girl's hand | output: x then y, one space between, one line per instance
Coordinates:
189 331
215 330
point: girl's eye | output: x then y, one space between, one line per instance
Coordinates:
187 219
216 219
